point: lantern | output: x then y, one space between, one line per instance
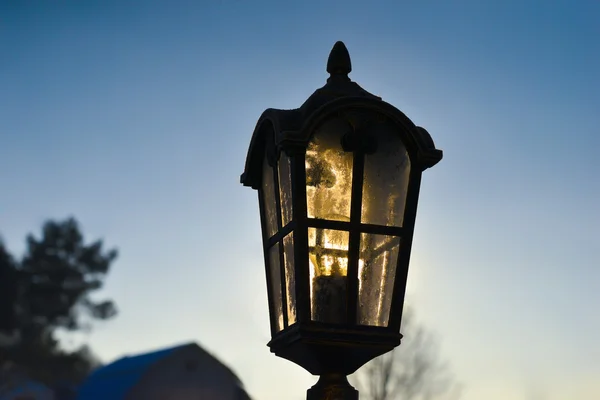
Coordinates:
338 182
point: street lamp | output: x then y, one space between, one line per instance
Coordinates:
338 183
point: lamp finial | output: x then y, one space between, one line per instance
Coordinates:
339 60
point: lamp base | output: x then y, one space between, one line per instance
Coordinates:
332 387
324 349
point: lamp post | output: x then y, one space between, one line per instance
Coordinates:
338 183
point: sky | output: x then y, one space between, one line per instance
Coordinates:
135 118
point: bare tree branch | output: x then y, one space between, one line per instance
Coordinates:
413 371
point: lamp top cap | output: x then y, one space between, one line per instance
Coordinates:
339 60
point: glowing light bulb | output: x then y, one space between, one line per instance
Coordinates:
328 257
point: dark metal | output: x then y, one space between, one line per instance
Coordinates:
330 348
339 62
410 214
354 239
332 387
283 232
270 299
335 350
364 228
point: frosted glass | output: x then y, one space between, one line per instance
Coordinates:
376 276
385 179
328 174
270 205
285 189
275 271
290 277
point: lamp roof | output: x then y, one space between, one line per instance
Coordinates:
295 125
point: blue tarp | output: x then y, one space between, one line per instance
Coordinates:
113 381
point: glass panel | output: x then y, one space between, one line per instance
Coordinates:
328 264
285 188
328 173
268 188
385 179
275 272
290 277
376 276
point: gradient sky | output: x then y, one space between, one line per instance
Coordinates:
135 118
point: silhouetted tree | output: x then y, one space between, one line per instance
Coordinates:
412 371
50 288
8 291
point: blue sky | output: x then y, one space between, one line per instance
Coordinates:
135 118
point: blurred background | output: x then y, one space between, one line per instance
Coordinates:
133 118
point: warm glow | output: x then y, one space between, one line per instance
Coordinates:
328 189
328 252
361 266
328 184
328 265
329 173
